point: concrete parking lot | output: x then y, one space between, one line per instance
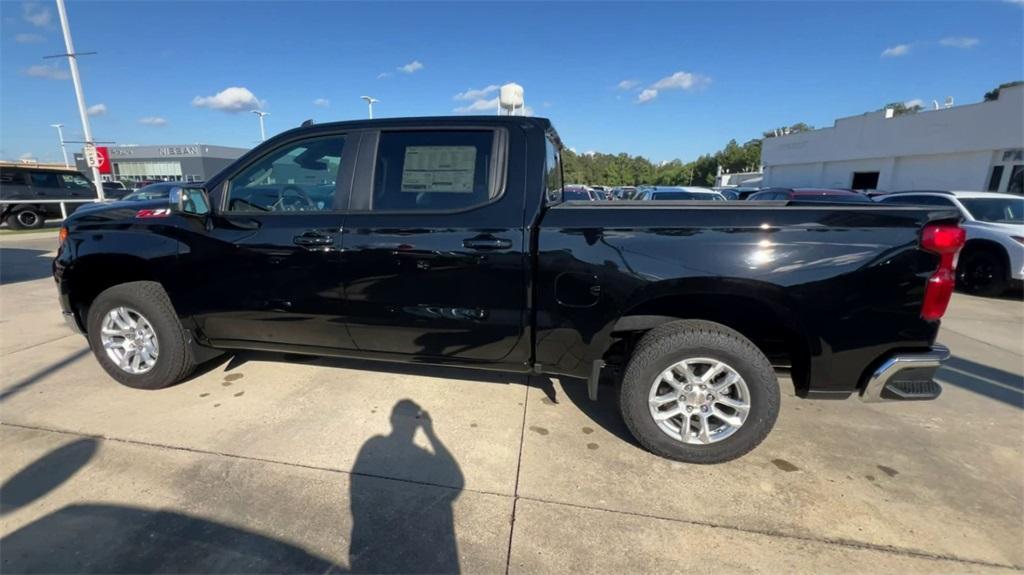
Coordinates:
271 463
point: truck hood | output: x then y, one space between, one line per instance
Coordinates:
119 209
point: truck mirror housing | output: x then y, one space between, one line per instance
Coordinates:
191 201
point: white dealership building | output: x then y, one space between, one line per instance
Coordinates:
972 147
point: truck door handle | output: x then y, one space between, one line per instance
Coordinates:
486 243
312 239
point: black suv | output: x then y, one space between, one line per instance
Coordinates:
27 194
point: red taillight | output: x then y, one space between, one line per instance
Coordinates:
945 240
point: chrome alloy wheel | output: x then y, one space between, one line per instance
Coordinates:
129 340
699 401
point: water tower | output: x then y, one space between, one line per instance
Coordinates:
510 99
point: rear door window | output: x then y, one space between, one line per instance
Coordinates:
437 170
44 180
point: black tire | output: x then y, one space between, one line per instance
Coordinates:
665 345
26 218
174 362
982 272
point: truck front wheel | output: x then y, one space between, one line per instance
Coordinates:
699 392
135 334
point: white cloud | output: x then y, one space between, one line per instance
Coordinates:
960 41
480 105
28 38
681 81
411 67
322 103
913 103
96 110
233 99
383 75
473 94
153 121
44 71
646 96
28 157
896 51
627 84
1017 2
484 105
36 15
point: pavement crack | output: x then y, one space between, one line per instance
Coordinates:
847 543
519 466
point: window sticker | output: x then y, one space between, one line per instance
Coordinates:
448 169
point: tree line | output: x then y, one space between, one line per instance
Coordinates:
626 170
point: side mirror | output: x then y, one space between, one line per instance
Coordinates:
190 201
554 196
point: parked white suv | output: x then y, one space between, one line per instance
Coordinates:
994 254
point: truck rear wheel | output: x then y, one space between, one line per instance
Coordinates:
136 336
699 392
25 218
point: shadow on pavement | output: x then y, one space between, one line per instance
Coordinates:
100 538
23 264
45 474
21 385
991 382
397 526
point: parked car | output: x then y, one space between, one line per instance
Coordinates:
737 193
681 193
578 193
828 195
115 190
22 187
471 256
624 193
600 193
155 191
993 257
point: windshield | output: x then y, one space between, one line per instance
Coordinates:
150 192
997 210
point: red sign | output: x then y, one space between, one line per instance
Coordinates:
103 160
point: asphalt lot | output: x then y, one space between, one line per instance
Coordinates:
271 463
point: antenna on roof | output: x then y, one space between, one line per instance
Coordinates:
935 103
949 101
307 123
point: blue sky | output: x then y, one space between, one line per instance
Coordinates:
667 80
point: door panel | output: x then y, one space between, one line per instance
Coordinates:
271 260
431 283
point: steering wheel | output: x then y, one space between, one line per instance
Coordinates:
292 198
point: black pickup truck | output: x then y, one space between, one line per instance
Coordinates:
447 241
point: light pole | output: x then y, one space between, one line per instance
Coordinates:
370 101
63 150
73 64
263 133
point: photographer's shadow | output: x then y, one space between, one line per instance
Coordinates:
398 526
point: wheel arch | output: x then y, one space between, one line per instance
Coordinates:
93 274
985 244
761 315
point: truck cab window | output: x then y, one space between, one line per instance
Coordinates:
435 170
44 180
297 177
552 171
